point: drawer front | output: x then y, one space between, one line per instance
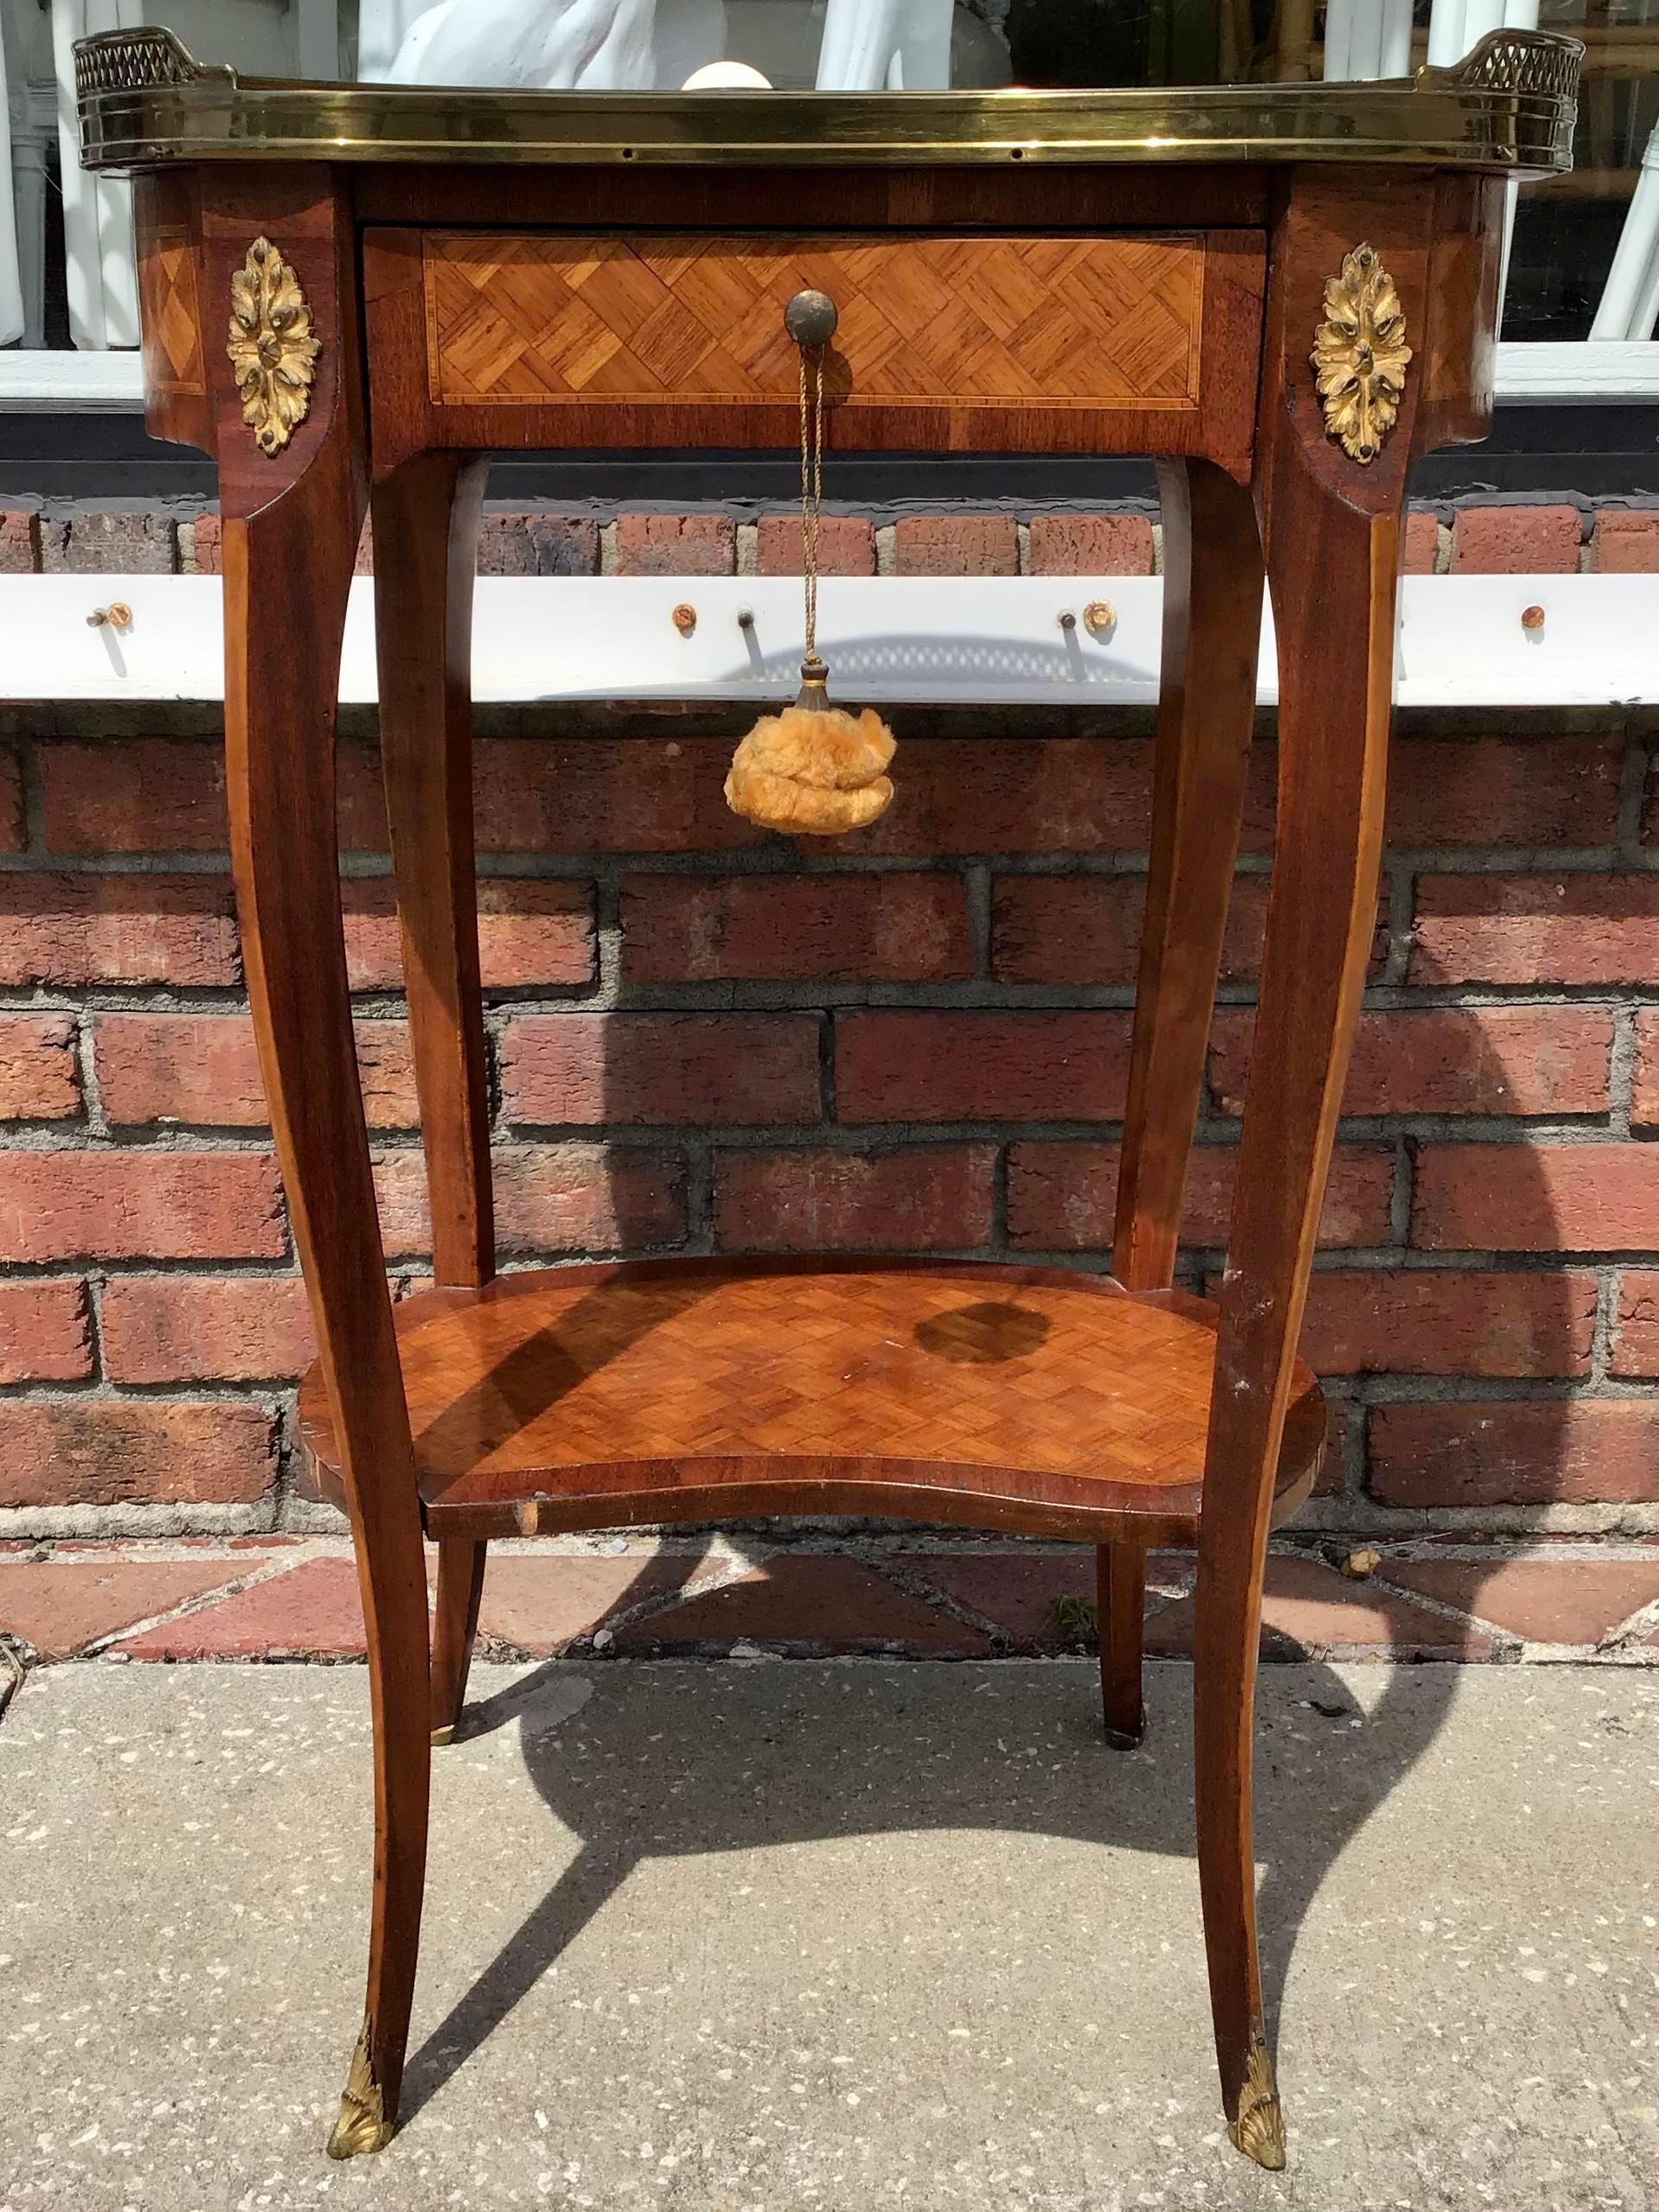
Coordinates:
552 321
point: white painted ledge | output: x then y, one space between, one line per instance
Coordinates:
1612 374
1609 373
62 383
902 640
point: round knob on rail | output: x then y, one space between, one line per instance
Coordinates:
810 318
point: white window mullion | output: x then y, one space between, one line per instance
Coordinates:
102 281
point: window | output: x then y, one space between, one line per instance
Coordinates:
62 282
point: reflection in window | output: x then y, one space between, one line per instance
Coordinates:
1566 236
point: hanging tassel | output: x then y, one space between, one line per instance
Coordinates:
814 770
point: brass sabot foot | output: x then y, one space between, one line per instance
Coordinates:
440 1736
1258 2132
362 2126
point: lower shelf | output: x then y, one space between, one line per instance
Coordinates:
1029 1399
1034 1400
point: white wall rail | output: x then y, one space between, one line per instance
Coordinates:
1564 373
1471 640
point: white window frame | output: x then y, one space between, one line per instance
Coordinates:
1595 372
1577 372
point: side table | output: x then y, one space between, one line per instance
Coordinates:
353 295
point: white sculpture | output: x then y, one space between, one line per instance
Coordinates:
904 44
548 45
631 45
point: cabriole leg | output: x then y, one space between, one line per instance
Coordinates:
1331 530
292 513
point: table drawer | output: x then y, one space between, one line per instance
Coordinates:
542 320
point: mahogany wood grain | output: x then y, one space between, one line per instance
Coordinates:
1041 1401
1120 1610
1163 196
426 521
1212 626
1459 360
1330 531
1217 422
461 1563
1207 702
1207 705
167 231
291 531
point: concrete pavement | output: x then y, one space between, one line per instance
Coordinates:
845 1933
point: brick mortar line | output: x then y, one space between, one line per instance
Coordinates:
978 891
543 864
1013 863
1621 1070
272 1400
886 1553
673 1540
1639 1626
1496 1529
96 1524
1195 1260
829 996
1508 1644
1634 771
1363 1517
1604 1328
1406 1387
236 1586
699 1187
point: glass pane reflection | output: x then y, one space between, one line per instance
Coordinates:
1566 232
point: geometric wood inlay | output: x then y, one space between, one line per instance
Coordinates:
1061 1388
168 302
546 319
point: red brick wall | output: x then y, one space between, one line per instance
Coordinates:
917 1039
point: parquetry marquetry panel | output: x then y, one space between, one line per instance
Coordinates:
546 320
168 302
891 1373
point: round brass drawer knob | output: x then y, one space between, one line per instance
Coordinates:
810 318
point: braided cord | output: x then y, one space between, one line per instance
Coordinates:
811 482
